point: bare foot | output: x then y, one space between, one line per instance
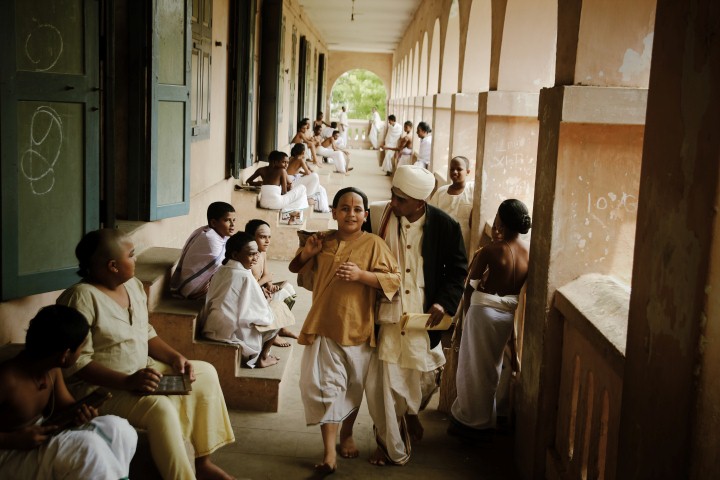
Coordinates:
415 428
267 361
348 449
206 470
284 332
278 342
378 458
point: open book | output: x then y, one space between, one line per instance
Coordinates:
417 321
65 418
177 384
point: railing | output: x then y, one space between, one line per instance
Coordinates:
594 311
358 132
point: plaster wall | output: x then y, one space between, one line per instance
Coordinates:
441 135
288 101
465 128
208 162
527 57
615 43
596 207
508 164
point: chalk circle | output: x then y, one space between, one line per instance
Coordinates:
44 46
45 127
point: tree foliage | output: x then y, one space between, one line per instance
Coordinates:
359 90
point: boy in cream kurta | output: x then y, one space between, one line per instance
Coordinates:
348 268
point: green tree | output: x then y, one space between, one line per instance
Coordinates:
359 90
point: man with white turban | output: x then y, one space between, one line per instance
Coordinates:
404 370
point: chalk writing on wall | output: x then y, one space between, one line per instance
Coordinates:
37 164
44 46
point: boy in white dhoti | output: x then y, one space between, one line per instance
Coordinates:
394 131
491 297
203 252
236 305
347 269
33 388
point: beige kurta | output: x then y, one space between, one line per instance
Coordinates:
118 340
457 206
345 311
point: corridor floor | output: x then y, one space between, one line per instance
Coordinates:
280 446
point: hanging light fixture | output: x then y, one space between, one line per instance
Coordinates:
352 12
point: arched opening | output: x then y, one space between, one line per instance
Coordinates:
476 64
423 71
434 64
359 90
451 52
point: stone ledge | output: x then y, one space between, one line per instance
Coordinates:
597 306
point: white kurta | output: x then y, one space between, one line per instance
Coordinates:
344 126
201 257
486 330
235 304
102 448
457 206
404 365
271 197
424 151
391 140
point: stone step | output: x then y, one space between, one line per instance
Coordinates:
175 321
153 268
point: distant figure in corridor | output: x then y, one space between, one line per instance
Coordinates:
394 131
344 126
425 149
374 128
496 277
276 191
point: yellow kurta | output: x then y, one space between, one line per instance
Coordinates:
345 311
118 339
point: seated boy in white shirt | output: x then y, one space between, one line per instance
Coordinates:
203 252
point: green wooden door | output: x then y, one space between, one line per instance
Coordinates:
49 140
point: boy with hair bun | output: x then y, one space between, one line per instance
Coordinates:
203 252
496 277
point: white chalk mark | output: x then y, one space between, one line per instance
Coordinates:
34 166
46 46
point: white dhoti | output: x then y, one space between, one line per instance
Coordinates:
405 157
373 135
332 379
337 157
314 190
271 197
102 448
486 330
387 165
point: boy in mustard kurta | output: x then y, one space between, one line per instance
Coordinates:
348 268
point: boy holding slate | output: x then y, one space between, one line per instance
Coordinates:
34 389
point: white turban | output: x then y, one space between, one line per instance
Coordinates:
414 181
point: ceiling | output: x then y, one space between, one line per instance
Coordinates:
378 25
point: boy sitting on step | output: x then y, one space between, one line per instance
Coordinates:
236 310
33 389
203 252
260 230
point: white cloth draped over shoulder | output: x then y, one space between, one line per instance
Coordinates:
201 256
391 140
235 304
101 448
271 197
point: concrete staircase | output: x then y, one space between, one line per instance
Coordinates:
176 321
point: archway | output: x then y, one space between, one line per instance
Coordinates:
358 90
